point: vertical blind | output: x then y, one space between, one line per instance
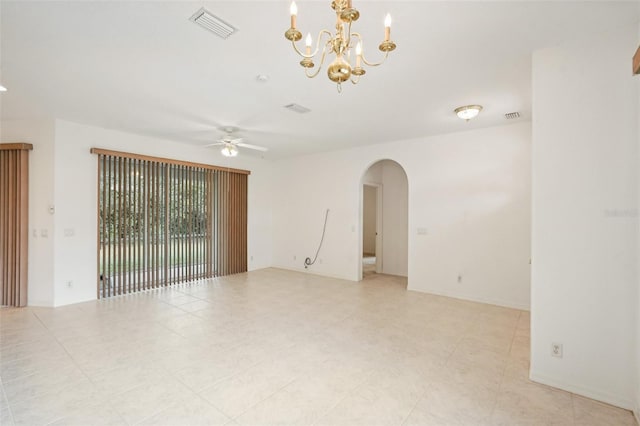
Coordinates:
162 222
14 228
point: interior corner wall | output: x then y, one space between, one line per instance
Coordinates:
585 217
39 133
469 190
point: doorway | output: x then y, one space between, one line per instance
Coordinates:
384 245
371 229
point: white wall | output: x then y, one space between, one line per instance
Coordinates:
470 190
369 207
395 220
68 180
585 224
41 266
637 357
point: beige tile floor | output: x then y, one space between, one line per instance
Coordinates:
277 347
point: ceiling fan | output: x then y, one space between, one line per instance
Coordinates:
229 144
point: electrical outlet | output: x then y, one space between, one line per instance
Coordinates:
459 278
295 257
556 350
252 258
69 284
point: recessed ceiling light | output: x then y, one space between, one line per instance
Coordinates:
2 88
262 78
468 112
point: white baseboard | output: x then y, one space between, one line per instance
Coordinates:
636 412
73 302
598 395
39 303
313 272
490 301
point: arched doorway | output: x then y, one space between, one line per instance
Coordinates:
384 227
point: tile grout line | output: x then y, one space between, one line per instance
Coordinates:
78 367
347 394
233 418
504 371
8 405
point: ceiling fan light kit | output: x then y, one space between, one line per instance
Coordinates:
230 144
341 44
229 150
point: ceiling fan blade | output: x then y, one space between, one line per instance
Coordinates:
212 144
257 148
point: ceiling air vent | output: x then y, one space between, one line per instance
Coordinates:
210 22
297 108
512 115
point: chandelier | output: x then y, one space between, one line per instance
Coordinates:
341 44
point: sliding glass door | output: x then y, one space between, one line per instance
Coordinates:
162 222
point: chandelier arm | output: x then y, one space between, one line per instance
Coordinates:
355 80
324 54
375 64
364 60
293 43
306 72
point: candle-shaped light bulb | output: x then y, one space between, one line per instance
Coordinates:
387 27
294 11
308 42
358 54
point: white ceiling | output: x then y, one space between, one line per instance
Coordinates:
143 67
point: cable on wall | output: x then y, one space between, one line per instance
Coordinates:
308 262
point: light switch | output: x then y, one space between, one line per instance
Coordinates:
44 233
69 232
422 231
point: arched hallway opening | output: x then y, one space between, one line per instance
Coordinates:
384 195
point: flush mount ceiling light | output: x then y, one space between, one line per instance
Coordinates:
2 88
468 112
341 44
